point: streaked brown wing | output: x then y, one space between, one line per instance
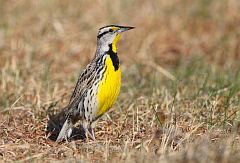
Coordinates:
83 80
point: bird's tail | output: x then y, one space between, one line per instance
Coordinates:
66 130
55 123
60 126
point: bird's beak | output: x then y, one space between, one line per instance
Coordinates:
123 29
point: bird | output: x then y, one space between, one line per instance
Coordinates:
96 90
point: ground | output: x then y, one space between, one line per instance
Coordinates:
180 95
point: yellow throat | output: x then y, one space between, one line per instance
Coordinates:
114 47
109 86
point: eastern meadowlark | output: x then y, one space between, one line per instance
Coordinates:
97 87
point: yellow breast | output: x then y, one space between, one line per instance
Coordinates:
109 87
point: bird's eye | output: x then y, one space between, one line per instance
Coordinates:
110 30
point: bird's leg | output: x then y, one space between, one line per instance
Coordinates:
91 129
88 130
91 133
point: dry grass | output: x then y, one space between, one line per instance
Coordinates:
180 96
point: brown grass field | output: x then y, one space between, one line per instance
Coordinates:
180 95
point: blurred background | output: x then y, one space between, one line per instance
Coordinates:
183 57
58 38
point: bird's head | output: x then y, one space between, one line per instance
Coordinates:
110 34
